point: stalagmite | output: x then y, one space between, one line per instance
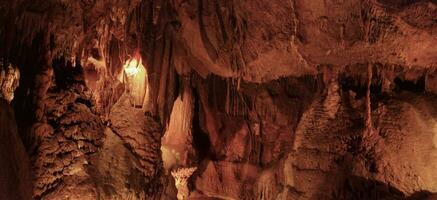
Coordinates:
178 139
369 126
181 177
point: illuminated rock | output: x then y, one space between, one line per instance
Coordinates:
181 177
136 79
9 81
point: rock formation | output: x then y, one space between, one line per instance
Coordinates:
236 99
181 177
15 176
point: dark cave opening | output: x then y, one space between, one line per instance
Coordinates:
65 73
416 86
350 83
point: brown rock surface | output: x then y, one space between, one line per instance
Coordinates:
117 172
15 174
64 143
141 134
267 99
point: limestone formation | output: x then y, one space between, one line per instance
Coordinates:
181 177
268 99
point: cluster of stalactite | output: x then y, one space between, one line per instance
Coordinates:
339 101
276 138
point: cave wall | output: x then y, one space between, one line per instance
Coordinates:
15 176
308 138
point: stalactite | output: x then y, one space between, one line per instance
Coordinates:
30 24
235 37
178 138
208 45
369 126
236 100
164 80
333 99
228 97
235 104
43 81
211 121
254 142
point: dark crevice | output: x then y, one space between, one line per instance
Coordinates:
201 139
417 86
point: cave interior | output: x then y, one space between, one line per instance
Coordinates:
218 99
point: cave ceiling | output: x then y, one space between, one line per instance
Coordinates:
253 40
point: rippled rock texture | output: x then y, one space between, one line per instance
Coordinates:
71 134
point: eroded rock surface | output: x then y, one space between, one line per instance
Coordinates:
72 132
117 171
141 134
